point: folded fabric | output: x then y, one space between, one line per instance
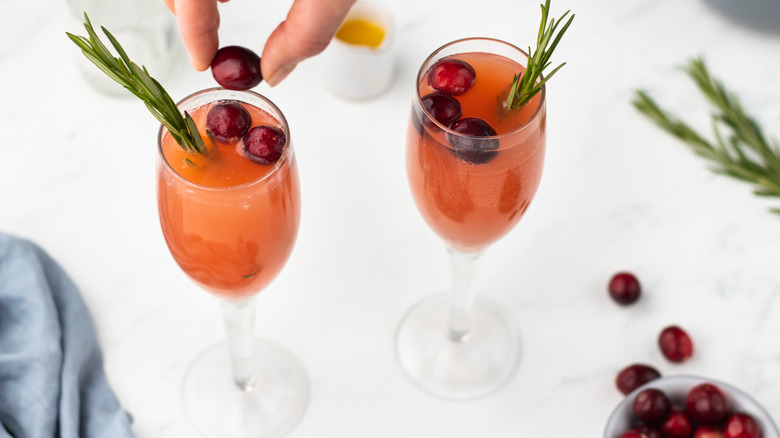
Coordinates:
52 382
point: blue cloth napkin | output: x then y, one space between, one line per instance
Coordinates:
52 382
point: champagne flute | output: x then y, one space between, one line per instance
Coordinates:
471 187
230 224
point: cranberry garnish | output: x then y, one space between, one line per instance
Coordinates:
707 432
677 424
451 76
675 344
707 404
443 108
264 144
228 121
624 288
236 68
741 425
651 406
646 431
634 376
470 146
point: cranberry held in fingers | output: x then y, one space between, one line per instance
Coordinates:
451 76
707 404
675 344
624 288
264 144
471 146
634 376
236 68
741 425
651 406
707 432
443 108
228 121
677 425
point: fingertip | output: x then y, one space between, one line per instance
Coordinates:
280 74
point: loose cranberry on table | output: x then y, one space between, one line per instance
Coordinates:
264 144
675 344
624 288
228 121
236 68
444 108
471 146
741 425
677 425
451 76
651 406
634 376
707 404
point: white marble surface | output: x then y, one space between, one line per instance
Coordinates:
77 173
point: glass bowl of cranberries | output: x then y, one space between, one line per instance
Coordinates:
689 407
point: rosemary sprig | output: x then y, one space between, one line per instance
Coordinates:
525 86
137 80
744 153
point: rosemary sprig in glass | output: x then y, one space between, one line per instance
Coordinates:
743 153
137 80
525 86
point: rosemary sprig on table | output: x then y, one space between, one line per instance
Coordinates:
527 85
137 80
744 153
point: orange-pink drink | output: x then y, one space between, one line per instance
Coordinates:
229 222
472 202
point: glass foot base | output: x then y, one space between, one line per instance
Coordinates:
220 409
475 366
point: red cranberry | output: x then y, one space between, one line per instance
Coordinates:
646 431
633 433
741 425
677 424
707 404
228 121
236 68
471 147
651 406
675 344
443 108
451 76
624 288
634 376
264 144
707 432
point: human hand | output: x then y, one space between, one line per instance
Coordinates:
307 30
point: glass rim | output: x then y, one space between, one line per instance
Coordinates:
423 70
287 152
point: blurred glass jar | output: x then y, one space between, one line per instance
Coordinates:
145 29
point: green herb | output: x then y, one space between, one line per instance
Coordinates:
137 80
743 153
527 85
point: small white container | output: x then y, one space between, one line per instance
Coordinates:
360 71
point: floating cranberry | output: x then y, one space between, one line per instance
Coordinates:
675 344
228 121
471 146
236 68
707 404
707 432
264 144
624 288
451 76
443 108
651 406
741 425
677 424
634 376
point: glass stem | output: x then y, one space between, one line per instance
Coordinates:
240 328
464 269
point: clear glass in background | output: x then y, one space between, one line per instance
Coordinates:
146 28
460 345
233 241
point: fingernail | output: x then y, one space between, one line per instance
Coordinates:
198 64
279 75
